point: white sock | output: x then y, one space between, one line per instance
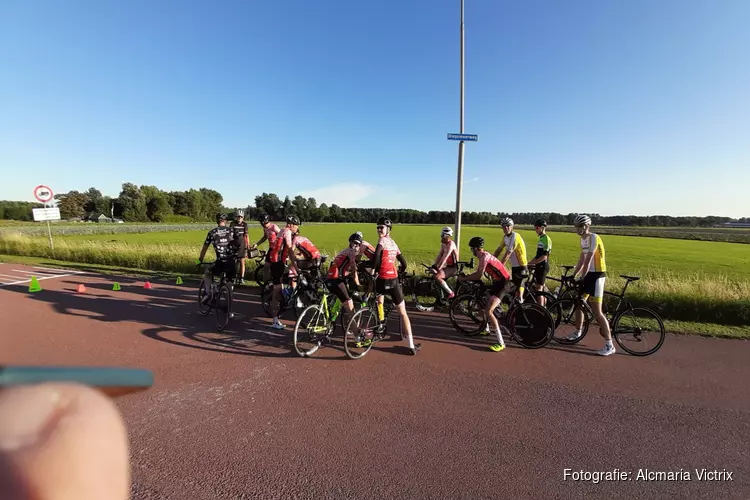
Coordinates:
275 320
411 341
500 337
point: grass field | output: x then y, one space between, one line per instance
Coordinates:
685 280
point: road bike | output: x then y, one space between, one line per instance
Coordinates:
528 323
309 287
260 261
427 293
219 297
630 326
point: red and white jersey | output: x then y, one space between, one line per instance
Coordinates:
491 265
271 231
367 250
306 247
281 246
387 269
342 264
448 255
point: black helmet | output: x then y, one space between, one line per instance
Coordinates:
355 237
385 221
476 242
263 219
540 223
221 216
292 219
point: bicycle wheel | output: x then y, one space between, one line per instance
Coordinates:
531 325
467 315
631 327
310 329
204 308
223 306
563 313
425 295
266 295
259 276
360 332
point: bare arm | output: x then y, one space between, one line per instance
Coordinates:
203 251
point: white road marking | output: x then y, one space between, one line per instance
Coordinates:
38 279
11 276
34 273
53 270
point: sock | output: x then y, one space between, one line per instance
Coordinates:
446 288
381 313
609 343
411 341
275 320
500 338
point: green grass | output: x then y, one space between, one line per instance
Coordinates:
696 281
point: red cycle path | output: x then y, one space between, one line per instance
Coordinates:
237 415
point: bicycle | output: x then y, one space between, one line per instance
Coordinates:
365 328
220 297
260 261
310 286
564 309
528 323
429 295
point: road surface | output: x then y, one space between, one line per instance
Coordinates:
237 415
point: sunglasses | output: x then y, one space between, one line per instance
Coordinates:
380 228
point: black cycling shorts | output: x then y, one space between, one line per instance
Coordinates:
337 287
277 272
392 287
227 266
540 273
518 274
499 288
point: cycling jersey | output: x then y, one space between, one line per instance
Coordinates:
491 265
239 230
544 247
367 250
593 244
448 255
270 232
342 264
387 269
306 247
279 249
221 239
514 243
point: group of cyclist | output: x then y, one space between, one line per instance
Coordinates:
379 261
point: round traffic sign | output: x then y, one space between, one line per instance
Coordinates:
43 193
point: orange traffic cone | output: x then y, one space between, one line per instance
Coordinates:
81 288
147 285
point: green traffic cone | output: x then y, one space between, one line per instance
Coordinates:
116 287
179 280
34 286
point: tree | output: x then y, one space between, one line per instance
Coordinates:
133 203
72 204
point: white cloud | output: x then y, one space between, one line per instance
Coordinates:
473 179
347 195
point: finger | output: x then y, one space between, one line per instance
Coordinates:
61 442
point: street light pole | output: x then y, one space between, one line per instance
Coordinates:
460 175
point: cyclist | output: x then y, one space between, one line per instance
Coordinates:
499 274
386 254
515 250
343 266
445 263
280 250
221 239
270 231
241 240
540 262
368 251
593 269
310 258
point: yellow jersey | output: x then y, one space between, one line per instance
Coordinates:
593 244
514 243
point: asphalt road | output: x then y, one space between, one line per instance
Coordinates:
237 414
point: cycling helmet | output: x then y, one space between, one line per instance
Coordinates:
263 219
540 223
359 233
292 219
447 231
507 221
385 221
221 216
239 213
355 237
582 220
476 242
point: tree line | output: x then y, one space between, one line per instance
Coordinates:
151 204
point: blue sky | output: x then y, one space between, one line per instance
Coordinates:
638 107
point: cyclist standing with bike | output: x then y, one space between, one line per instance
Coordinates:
515 250
270 232
241 240
344 265
499 287
540 262
280 250
445 263
221 239
592 266
386 254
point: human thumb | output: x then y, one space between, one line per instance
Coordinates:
62 442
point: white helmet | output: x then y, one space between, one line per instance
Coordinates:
582 220
239 213
359 233
447 231
507 221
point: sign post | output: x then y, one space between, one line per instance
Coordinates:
45 195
